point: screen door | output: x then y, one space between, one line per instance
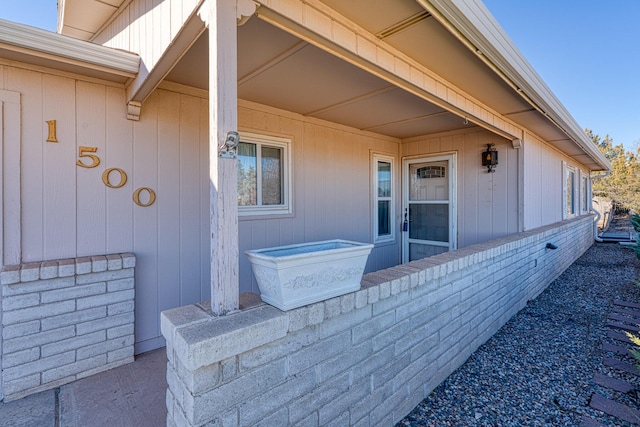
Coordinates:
428 208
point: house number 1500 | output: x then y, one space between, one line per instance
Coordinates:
87 159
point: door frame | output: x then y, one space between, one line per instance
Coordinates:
453 200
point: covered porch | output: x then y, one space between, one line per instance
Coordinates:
307 89
336 94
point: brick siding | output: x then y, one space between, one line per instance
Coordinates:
365 358
65 320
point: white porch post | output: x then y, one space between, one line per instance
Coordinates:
220 17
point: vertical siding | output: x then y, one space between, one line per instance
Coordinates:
118 153
59 199
168 193
68 212
29 85
544 182
145 222
91 222
331 187
205 225
189 202
147 27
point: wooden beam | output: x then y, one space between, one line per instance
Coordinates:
220 17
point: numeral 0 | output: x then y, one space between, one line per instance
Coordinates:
152 196
107 173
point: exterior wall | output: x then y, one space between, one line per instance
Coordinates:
331 187
487 202
543 182
147 28
66 211
365 358
65 320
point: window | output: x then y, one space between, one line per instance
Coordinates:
431 172
263 175
569 191
584 192
383 198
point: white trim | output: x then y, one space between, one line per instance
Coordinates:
287 163
44 44
391 237
10 183
584 192
566 170
482 33
453 199
147 81
403 71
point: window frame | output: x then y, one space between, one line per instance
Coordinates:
584 193
377 158
569 210
285 208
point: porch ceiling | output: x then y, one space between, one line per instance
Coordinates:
278 69
282 71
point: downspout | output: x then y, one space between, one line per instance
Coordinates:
593 210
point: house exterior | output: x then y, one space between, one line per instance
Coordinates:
366 121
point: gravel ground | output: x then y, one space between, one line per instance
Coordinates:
537 370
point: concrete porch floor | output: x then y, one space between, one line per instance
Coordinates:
131 395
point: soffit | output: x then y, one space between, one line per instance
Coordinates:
81 19
39 47
423 38
406 26
277 69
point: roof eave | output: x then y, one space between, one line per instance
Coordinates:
56 49
475 23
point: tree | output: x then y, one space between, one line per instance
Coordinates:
623 183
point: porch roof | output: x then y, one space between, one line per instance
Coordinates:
458 40
39 47
482 34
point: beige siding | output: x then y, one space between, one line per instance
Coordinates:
147 27
68 212
544 182
331 187
487 202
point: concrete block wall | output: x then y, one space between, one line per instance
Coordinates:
64 320
365 358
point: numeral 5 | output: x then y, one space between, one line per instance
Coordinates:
84 152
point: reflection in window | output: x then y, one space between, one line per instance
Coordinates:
584 192
262 176
571 199
383 198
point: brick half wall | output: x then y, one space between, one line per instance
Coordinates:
64 320
366 358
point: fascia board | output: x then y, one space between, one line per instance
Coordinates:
474 22
45 43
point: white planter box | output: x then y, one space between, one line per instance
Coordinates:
297 275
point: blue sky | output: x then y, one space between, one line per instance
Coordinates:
587 51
